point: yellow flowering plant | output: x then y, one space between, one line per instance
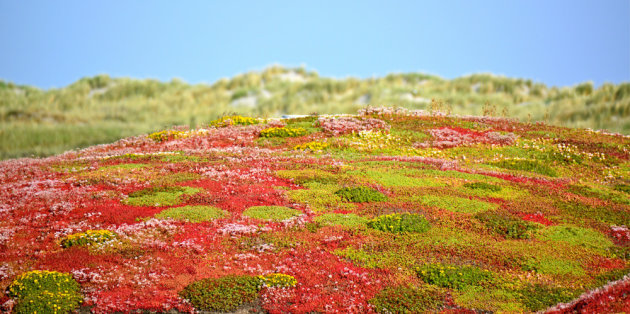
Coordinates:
42 291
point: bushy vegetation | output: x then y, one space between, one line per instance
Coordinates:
222 294
361 195
45 122
41 291
400 223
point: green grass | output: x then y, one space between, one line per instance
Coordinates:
192 213
275 213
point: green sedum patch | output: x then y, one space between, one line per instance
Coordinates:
539 297
275 213
507 225
574 235
408 299
345 220
159 196
223 294
456 204
552 266
488 299
400 223
41 291
192 213
361 195
526 165
453 277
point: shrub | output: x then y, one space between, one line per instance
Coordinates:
41 291
277 213
454 277
506 225
400 223
526 165
482 186
223 294
346 220
192 213
87 238
159 196
277 280
283 132
539 297
408 299
361 195
234 120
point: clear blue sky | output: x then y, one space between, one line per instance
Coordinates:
557 42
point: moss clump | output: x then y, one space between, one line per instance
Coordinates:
87 238
192 213
527 165
223 294
361 195
277 280
400 223
41 291
345 220
283 132
159 196
506 225
275 213
408 299
453 277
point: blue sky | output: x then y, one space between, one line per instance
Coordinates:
54 43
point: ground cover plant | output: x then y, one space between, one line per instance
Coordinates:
385 211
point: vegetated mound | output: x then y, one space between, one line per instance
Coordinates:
387 211
103 109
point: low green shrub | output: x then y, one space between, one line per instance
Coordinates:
192 213
454 277
483 186
41 291
277 280
346 220
88 237
361 195
526 165
539 297
507 225
283 132
276 213
223 294
408 299
159 196
400 223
